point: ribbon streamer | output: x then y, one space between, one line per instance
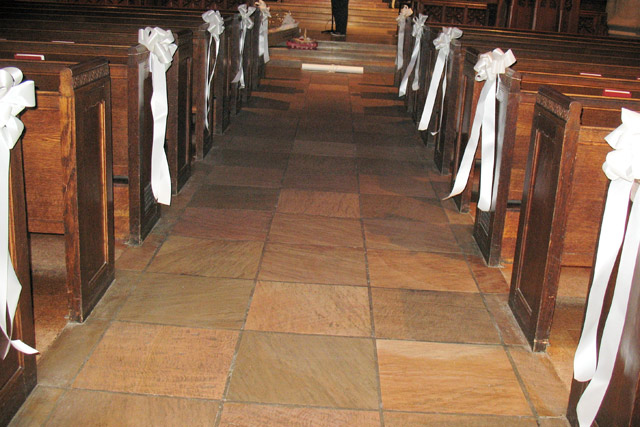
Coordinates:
622 167
418 29
405 12
161 48
246 23
15 95
216 28
442 43
488 67
263 45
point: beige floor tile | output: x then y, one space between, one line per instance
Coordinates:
404 419
84 407
118 292
316 230
409 236
340 205
160 360
305 370
213 258
449 378
419 270
402 207
564 336
235 197
201 302
574 282
417 186
246 176
490 279
223 224
546 390
310 309
248 415
324 149
554 422
313 264
498 305
138 257
38 407
432 316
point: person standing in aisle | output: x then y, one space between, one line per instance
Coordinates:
340 11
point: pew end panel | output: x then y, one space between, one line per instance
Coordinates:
223 88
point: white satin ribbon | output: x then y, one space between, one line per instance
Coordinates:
442 43
161 48
622 167
215 28
405 12
264 30
418 29
15 95
245 24
489 66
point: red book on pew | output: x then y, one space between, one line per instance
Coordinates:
616 93
29 56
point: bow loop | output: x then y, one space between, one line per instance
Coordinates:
264 9
245 14
159 42
215 21
15 95
418 25
405 12
490 64
624 161
443 41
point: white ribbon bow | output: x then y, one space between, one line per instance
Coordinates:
622 167
405 12
15 95
245 24
264 30
161 48
215 28
442 43
488 67
418 29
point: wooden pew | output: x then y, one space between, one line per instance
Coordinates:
17 370
68 171
563 200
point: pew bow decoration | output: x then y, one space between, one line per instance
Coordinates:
161 49
263 45
215 28
15 95
489 66
245 24
418 29
442 43
405 12
622 167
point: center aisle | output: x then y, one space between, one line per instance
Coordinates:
308 274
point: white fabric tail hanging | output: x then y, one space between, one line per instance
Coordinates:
405 12
263 45
246 23
418 29
15 95
622 167
489 66
161 48
442 43
216 28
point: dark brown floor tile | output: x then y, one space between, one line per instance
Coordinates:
235 197
432 316
337 149
400 207
398 153
417 186
319 181
202 302
310 309
490 279
323 203
404 419
325 135
138 257
316 230
419 270
389 167
305 370
249 415
408 235
498 305
85 407
242 129
564 336
253 143
36 410
251 159
246 177
371 138
160 360
464 236
449 378
301 163
313 264
224 224
213 258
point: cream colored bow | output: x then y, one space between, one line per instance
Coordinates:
159 42
443 41
490 64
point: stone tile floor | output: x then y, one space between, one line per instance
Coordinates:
308 274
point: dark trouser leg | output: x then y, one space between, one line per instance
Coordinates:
333 12
341 15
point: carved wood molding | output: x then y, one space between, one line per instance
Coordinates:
89 76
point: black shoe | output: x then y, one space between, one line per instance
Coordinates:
337 34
